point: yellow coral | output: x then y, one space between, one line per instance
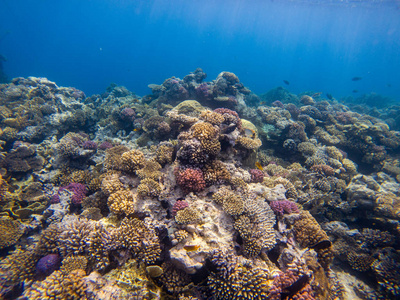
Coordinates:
111 184
212 117
187 215
132 160
121 202
248 143
164 154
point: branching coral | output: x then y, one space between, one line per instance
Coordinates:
149 187
121 202
190 180
139 238
232 279
132 160
215 172
232 203
150 170
187 215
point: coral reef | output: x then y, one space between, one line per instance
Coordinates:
177 195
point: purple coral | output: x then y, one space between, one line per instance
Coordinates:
89 145
283 206
79 192
179 205
47 264
127 114
203 92
256 175
105 145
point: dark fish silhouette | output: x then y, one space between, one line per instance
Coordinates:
389 85
286 82
315 95
355 91
329 96
356 78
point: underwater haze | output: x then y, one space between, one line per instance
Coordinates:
314 45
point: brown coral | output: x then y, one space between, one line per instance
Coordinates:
113 159
164 154
309 234
215 173
248 143
150 170
149 187
231 203
11 230
121 202
360 262
59 286
187 215
132 160
72 263
111 184
139 238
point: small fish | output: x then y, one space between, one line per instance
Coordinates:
389 85
250 133
259 166
315 95
355 91
356 78
191 248
286 82
329 96
135 129
263 102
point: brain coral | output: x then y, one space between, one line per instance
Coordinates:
11 230
121 202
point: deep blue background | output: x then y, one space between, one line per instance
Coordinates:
318 47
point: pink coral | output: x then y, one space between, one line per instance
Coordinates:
256 175
179 205
283 206
190 180
79 192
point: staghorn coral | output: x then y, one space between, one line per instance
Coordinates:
17 268
139 238
59 286
121 202
149 187
11 231
187 215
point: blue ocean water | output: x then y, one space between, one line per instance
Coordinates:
315 45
